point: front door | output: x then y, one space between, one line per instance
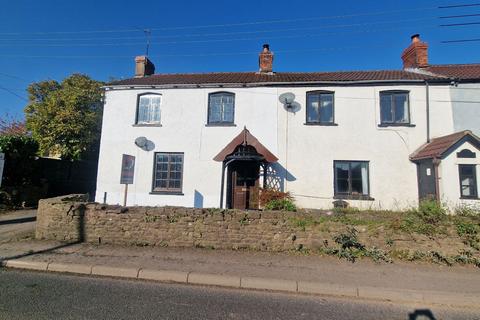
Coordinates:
426 180
244 184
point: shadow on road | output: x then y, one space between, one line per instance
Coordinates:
18 220
421 314
80 239
31 253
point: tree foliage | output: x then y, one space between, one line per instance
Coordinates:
20 151
65 118
11 126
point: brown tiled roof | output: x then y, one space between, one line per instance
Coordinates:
438 146
460 71
245 137
278 77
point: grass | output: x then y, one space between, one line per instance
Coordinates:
426 234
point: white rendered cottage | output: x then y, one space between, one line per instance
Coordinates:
376 139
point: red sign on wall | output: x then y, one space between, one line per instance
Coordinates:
128 169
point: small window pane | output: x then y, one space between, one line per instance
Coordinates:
401 108
386 108
326 110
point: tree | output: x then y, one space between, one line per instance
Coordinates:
10 126
65 118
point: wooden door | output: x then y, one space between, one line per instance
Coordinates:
426 180
244 182
239 192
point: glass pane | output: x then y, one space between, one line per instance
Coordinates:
466 170
313 106
228 112
401 108
341 175
215 112
326 109
386 108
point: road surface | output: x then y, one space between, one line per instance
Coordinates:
32 295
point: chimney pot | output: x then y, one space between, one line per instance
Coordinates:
265 60
143 67
415 38
416 55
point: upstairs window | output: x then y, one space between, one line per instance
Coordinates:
351 179
394 108
468 180
148 109
320 107
221 108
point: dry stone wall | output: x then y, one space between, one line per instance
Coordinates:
71 218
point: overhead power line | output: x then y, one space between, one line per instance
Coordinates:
260 22
460 6
459 24
460 40
13 93
461 16
225 33
300 35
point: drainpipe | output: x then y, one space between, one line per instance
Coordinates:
436 163
427 105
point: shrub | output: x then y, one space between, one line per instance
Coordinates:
467 211
431 211
469 233
281 204
268 195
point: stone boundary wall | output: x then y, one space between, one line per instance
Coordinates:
71 218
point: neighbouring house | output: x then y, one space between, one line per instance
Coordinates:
376 139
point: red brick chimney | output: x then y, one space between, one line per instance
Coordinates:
416 55
265 60
143 67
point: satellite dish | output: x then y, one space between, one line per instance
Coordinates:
141 142
287 99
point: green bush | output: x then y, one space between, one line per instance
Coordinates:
431 211
467 211
281 204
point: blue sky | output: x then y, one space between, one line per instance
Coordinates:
51 39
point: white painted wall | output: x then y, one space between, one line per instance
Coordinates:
307 152
466 107
450 180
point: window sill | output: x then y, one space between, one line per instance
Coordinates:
220 125
326 124
470 198
147 125
171 193
408 125
352 197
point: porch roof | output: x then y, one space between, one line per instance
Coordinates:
440 147
246 138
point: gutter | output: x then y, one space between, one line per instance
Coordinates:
264 84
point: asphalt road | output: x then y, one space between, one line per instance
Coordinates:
17 224
32 295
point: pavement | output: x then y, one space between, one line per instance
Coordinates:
16 225
32 295
457 286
